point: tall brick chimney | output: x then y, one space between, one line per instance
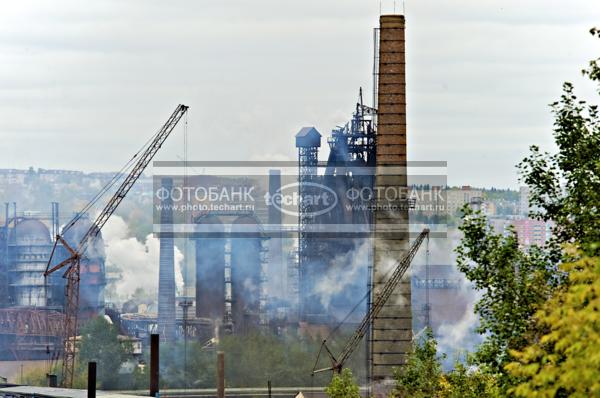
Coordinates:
391 332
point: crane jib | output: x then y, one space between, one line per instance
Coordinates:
378 303
72 275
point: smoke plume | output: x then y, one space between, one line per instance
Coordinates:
137 261
345 280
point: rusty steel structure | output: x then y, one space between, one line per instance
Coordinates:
73 262
27 333
26 243
32 322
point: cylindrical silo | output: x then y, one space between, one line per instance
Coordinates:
29 245
246 242
210 269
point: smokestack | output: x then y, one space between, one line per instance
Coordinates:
154 364
91 387
166 277
52 380
55 219
220 374
276 268
392 328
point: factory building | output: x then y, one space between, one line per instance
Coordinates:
30 306
166 272
231 258
29 247
440 296
93 272
323 232
367 155
210 269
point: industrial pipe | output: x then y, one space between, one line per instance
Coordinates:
220 374
52 380
91 388
154 365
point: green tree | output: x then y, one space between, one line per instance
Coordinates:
464 382
251 360
35 377
100 343
420 377
565 186
565 361
343 386
197 372
513 284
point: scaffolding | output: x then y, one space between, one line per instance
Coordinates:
308 142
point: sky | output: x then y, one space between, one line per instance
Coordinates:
84 84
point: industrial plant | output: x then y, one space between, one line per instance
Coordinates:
257 265
32 305
300 199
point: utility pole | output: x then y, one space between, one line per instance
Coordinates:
220 374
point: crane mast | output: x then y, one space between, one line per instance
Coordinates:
72 263
378 303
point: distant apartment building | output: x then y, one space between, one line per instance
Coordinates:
529 232
55 176
500 225
524 200
12 176
488 208
458 197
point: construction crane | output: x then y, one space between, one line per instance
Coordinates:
378 303
72 263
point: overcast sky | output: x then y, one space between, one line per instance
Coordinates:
84 83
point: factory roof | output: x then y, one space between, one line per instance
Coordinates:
31 231
53 392
308 137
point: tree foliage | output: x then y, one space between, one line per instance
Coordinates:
100 343
564 189
565 186
565 361
198 371
343 386
421 375
252 360
513 283
465 382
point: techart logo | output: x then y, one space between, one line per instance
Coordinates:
318 199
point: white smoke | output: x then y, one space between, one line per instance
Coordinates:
343 272
457 335
456 338
250 287
137 261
